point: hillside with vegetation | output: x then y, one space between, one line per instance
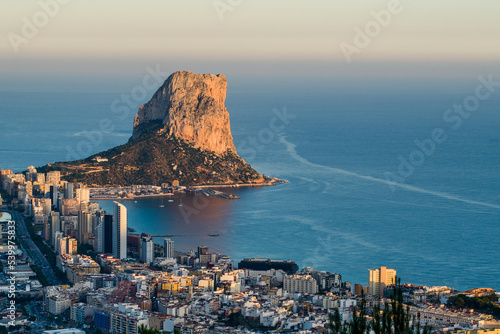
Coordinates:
156 158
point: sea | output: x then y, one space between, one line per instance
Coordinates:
380 171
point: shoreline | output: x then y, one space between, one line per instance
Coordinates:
238 185
132 198
178 192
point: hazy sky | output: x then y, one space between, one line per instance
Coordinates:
250 36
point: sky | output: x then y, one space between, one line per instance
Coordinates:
249 37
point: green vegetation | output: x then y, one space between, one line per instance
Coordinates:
5 197
144 330
41 276
485 304
46 250
37 239
156 158
237 319
86 250
394 318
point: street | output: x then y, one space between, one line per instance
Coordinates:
34 254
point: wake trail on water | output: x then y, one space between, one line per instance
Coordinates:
290 147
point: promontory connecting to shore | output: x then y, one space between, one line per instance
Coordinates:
182 136
145 191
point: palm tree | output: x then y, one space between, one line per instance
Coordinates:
395 318
335 323
359 324
144 330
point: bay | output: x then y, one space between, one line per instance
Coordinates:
438 226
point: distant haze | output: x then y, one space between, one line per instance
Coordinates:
425 38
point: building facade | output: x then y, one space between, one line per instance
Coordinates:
300 284
378 279
119 231
168 248
148 249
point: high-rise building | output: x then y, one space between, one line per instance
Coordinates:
53 177
93 207
82 193
29 188
54 194
119 231
127 321
58 303
71 246
46 205
328 281
70 207
84 226
46 231
30 174
59 236
108 234
148 249
168 248
202 250
79 312
378 279
67 245
359 289
99 237
62 246
55 222
68 191
104 233
5 172
300 284
40 178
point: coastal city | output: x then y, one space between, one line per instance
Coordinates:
70 267
232 166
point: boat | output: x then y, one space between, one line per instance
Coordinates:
162 205
213 235
170 200
180 204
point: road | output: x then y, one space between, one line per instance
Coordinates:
35 256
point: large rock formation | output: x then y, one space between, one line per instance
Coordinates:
182 134
190 107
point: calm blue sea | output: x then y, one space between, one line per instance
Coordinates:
439 225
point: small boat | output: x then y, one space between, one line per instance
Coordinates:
135 201
180 204
170 200
213 235
162 205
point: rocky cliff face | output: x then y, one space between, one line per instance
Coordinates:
190 107
182 135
